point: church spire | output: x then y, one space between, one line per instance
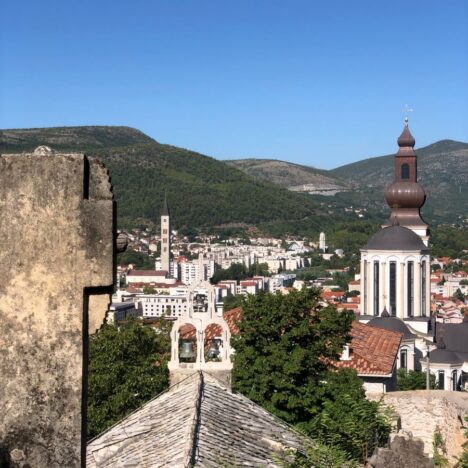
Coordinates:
405 196
165 210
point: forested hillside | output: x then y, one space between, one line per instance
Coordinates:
202 191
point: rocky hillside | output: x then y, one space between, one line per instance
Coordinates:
294 177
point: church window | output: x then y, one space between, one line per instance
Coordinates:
410 288
404 359
164 231
376 288
405 172
165 249
423 288
393 288
164 240
441 380
454 380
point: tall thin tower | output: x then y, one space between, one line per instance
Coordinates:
165 238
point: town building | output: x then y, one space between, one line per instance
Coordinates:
165 237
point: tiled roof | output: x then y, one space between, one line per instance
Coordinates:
233 317
195 423
372 350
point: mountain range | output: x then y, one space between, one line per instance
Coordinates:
274 196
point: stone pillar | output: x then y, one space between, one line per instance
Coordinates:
56 266
401 303
417 288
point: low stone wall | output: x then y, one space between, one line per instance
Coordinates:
423 411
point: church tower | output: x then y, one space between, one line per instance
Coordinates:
405 196
395 262
165 238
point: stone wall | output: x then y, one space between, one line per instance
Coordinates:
422 412
56 276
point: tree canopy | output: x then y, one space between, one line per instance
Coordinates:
127 367
283 361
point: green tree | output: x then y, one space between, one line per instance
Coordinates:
281 351
413 380
127 367
439 449
458 295
282 361
348 420
231 302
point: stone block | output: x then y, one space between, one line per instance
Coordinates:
56 277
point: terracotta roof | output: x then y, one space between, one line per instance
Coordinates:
197 422
147 273
372 350
233 317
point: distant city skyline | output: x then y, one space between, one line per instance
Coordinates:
314 84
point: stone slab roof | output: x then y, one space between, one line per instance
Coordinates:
372 350
198 422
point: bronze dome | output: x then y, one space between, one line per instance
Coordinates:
406 139
405 195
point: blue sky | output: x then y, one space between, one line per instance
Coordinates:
317 83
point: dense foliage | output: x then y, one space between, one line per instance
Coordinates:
140 260
282 362
127 367
238 272
449 242
413 380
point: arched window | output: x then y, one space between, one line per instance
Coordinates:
454 380
441 380
405 171
404 359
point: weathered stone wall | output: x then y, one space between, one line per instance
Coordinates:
423 411
56 256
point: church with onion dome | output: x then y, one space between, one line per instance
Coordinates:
395 281
395 262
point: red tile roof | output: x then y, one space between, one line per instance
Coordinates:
372 350
233 317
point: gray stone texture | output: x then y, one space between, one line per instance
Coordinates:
422 412
56 276
404 451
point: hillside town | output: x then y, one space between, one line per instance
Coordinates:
439 305
222 246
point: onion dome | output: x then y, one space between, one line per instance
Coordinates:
405 195
406 139
395 237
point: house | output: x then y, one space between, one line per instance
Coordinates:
372 352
